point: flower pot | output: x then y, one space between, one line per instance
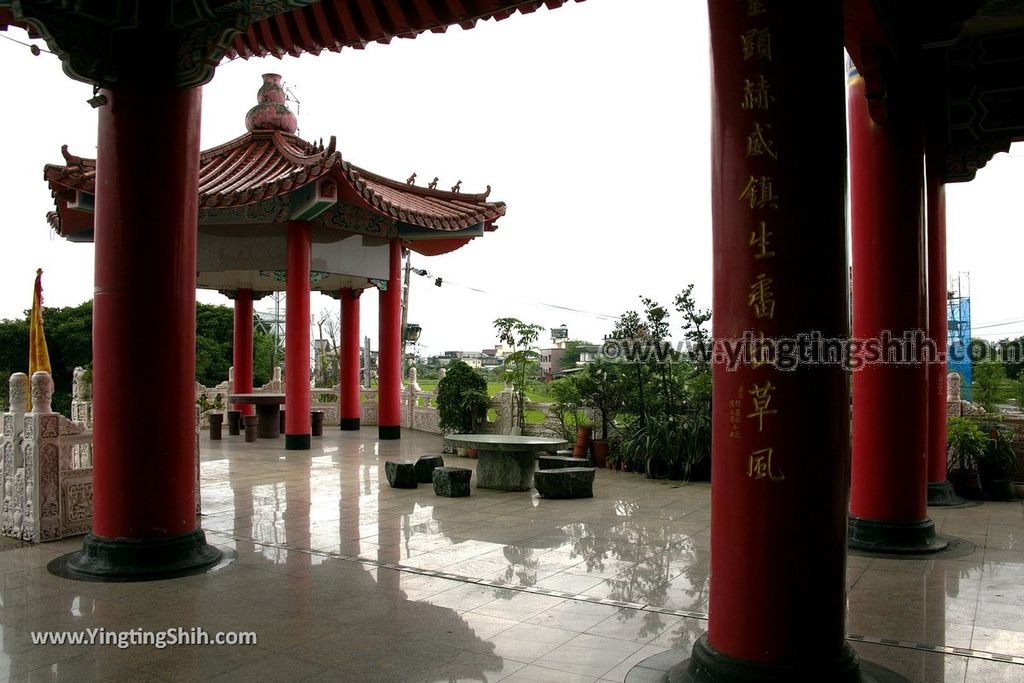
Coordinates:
599 452
1000 489
966 484
472 452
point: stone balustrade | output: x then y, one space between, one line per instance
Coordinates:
46 462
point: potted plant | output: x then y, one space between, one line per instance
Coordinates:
601 389
584 430
965 446
997 462
566 405
461 400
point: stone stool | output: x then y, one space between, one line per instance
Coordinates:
401 474
216 425
281 428
564 453
568 482
234 422
425 465
451 482
317 421
554 462
251 423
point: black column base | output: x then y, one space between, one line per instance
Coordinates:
906 538
350 424
297 442
941 494
123 559
384 432
706 665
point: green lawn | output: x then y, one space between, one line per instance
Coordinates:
535 393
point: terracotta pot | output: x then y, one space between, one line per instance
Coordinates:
599 452
583 435
472 452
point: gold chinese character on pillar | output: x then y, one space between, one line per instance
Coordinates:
755 8
757 44
761 297
762 396
760 466
758 144
760 193
759 240
755 94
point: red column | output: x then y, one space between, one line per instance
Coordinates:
297 426
242 348
389 380
349 406
780 438
888 506
940 491
144 520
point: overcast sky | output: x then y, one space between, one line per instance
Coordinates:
591 122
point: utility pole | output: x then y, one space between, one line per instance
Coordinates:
405 299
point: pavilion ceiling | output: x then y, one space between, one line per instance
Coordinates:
956 65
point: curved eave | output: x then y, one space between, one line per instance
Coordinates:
334 24
261 165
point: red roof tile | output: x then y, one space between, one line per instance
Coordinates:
264 164
334 24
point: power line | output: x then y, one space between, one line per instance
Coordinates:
443 281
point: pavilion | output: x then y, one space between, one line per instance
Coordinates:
277 212
938 89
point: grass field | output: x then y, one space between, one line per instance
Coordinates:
535 393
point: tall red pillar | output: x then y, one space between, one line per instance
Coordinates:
940 490
888 501
351 411
241 350
389 380
780 438
297 425
144 471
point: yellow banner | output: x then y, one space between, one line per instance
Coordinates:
38 355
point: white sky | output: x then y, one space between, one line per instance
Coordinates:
591 122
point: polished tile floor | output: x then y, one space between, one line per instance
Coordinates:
344 579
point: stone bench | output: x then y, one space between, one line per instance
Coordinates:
401 474
451 482
554 462
568 482
425 465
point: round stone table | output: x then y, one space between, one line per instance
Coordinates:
506 462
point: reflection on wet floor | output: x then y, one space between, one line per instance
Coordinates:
345 579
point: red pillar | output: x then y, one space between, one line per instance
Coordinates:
888 504
780 437
242 348
144 514
940 491
351 411
297 426
389 380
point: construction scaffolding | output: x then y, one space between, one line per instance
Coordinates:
959 334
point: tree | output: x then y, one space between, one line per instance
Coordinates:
987 380
573 351
519 336
1013 357
461 399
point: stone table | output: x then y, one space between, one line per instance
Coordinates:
268 408
506 462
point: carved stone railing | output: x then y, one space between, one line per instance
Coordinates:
46 464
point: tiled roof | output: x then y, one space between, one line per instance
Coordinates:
334 24
264 164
